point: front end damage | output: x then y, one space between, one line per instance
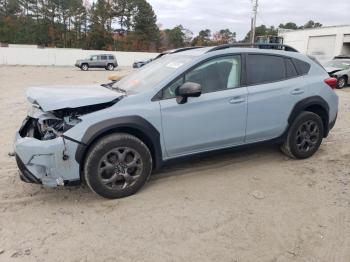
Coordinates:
43 154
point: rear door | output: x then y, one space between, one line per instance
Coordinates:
104 61
274 87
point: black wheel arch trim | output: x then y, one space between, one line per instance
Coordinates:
307 103
129 124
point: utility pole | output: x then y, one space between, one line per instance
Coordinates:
253 22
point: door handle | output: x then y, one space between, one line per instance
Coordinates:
297 91
237 100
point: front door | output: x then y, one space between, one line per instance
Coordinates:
216 119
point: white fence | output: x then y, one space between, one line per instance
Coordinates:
62 56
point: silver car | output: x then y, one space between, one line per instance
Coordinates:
106 61
339 68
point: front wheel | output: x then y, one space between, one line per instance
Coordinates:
117 166
84 67
342 82
304 136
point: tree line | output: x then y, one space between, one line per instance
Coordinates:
124 25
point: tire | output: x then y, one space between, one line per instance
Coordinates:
304 136
342 82
110 67
84 67
106 170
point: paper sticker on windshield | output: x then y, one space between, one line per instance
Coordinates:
174 65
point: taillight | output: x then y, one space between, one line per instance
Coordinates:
332 82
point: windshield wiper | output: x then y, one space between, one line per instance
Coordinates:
110 86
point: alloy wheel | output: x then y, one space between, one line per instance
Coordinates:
307 137
120 168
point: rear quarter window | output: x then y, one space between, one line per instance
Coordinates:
111 57
302 67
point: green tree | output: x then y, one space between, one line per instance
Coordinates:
176 37
289 25
224 36
203 38
146 31
99 37
311 24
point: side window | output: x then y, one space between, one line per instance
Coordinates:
290 69
94 58
303 68
169 92
217 74
111 57
103 57
265 68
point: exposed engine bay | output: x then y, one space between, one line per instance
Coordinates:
50 125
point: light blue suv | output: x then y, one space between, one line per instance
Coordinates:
182 104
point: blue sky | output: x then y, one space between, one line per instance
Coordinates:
235 14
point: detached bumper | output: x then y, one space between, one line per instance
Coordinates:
43 162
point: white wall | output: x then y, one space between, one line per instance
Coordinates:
62 56
299 39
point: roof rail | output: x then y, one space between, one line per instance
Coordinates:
182 49
256 45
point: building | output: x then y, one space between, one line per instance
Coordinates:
324 43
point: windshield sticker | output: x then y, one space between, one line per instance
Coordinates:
174 65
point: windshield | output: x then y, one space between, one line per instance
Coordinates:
152 74
344 64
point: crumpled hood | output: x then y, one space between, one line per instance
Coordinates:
60 97
333 69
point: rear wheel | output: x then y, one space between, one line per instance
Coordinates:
342 82
117 166
84 67
110 67
304 136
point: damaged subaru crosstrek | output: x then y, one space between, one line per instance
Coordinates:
191 102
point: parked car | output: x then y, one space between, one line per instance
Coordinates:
179 105
140 64
339 68
106 61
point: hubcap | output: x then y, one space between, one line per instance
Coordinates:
341 82
120 168
307 137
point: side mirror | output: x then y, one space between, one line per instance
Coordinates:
188 89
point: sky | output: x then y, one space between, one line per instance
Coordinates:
236 14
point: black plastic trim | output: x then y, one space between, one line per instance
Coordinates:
122 124
25 175
308 102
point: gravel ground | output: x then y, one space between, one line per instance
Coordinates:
254 205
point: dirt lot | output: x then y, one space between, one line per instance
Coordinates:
255 205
